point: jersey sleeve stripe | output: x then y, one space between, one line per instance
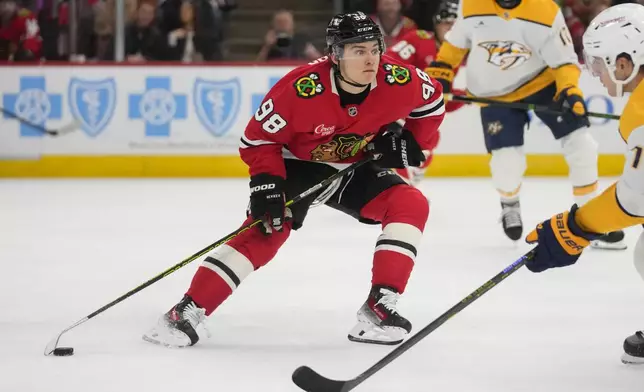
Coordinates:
436 110
245 143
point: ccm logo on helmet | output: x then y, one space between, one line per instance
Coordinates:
363 29
263 187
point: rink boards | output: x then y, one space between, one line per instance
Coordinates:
182 120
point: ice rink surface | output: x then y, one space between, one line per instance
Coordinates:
67 247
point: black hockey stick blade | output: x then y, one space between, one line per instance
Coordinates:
71 127
311 381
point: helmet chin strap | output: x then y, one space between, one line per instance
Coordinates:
338 74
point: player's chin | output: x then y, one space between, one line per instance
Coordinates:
367 76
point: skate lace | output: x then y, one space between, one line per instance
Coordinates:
511 216
195 316
389 300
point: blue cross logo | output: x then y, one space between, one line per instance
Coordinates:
33 104
157 106
256 99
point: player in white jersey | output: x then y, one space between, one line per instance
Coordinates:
614 52
521 51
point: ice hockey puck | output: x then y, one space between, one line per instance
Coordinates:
64 351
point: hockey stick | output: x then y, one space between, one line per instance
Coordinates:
311 381
74 125
53 344
526 106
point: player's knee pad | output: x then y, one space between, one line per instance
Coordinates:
398 204
260 248
508 166
638 255
580 150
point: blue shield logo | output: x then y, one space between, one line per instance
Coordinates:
217 103
92 102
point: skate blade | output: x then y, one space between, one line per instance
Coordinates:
621 245
631 360
165 336
367 333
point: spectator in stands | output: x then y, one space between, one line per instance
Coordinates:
578 15
394 25
192 32
105 23
19 33
282 42
143 40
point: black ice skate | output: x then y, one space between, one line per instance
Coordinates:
634 349
511 220
378 319
613 241
180 327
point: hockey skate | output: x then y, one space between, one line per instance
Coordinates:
634 349
182 326
511 220
378 319
613 241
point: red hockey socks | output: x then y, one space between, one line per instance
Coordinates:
403 211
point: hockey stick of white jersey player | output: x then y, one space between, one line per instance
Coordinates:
71 127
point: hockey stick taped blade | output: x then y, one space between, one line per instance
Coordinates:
63 351
310 381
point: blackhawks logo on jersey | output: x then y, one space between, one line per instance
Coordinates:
341 147
506 54
397 74
308 86
424 34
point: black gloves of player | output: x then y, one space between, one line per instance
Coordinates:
396 150
571 101
267 201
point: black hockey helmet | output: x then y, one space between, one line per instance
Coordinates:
447 11
352 28
508 4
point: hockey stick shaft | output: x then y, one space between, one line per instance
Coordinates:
309 380
54 343
52 132
526 106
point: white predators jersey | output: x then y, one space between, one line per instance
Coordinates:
509 48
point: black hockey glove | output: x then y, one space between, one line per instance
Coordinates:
572 104
396 150
267 201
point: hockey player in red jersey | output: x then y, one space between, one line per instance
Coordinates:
19 33
419 48
319 118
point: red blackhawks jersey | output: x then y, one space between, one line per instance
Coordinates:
20 31
301 116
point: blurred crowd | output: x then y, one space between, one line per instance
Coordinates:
194 30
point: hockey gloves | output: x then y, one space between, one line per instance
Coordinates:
396 150
443 73
267 201
571 101
560 242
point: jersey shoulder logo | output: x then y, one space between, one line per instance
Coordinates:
396 74
308 86
506 54
424 34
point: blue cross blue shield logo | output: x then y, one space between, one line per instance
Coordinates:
217 103
92 102
34 104
157 106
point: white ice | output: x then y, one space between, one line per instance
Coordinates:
67 247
